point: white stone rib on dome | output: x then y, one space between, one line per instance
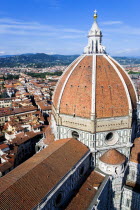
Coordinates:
93 100
124 84
80 58
126 75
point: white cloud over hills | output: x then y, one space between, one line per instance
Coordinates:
18 36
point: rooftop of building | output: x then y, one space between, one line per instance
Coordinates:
113 157
24 137
5 166
133 186
49 136
86 193
19 190
135 151
12 111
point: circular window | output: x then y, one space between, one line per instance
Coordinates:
75 135
111 138
58 199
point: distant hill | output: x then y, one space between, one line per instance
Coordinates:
36 60
128 60
41 60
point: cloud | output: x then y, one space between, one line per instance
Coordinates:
129 30
25 36
128 51
73 31
13 21
71 36
124 40
18 27
120 27
112 22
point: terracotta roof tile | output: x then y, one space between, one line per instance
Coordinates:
135 186
86 193
76 98
135 152
129 85
111 99
5 166
113 157
29 183
3 146
49 135
7 111
23 137
60 84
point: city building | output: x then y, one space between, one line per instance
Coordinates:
5 102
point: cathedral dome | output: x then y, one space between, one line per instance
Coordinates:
95 83
112 162
94 87
113 157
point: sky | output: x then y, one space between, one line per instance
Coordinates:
61 26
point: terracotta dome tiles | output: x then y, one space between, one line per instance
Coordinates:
111 99
61 82
128 83
76 97
113 157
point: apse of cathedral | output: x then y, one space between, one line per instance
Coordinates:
90 159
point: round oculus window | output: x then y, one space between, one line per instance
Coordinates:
111 138
75 135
